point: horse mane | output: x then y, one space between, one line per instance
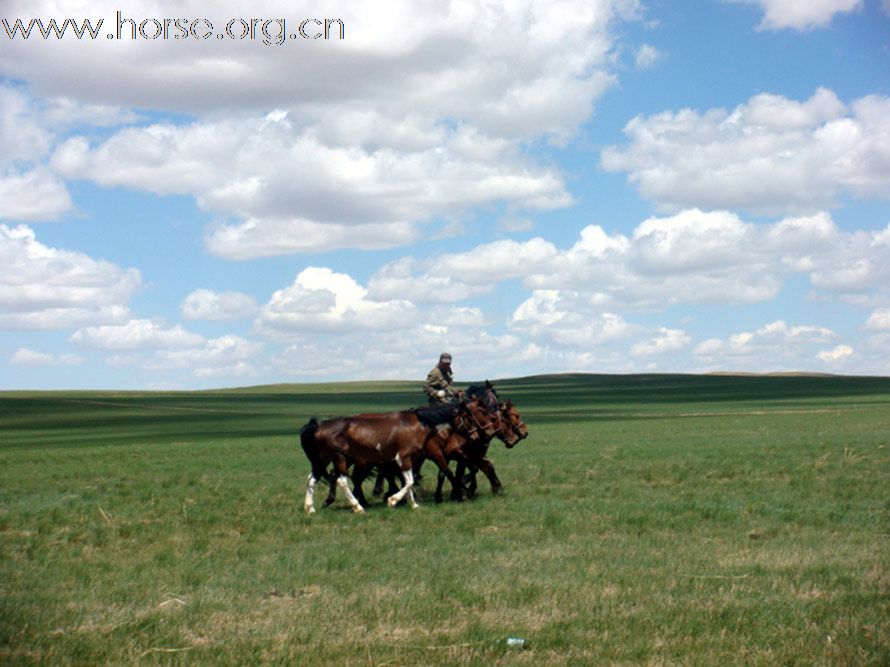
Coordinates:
434 415
479 390
484 392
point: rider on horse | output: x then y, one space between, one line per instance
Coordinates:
438 382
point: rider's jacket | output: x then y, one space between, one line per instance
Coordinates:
438 379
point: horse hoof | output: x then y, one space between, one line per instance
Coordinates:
358 510
310 510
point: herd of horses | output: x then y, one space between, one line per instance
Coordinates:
397 443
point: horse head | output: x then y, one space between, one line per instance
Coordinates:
476 417
511 427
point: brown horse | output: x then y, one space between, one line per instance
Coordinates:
472 453
469 417
370 439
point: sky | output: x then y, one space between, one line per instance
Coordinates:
266 192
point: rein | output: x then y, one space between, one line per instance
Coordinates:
476 425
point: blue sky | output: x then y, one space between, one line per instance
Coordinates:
604 186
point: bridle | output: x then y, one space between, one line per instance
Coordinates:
514 428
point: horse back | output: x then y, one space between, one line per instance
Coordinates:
373 438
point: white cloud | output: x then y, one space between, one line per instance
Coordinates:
321 300
22 137
33 195
266 238
769 155
802 14
565 319
692 257
226 355
513 224
879 320
154 348
403 353
418 116
67 112
28 130
27 357
459 317
136 335
860 262
295 193
540 75
647 56
400 277
542 357
664 341
50 288
205 304
774 347
499 260
240 369
457 276
838 353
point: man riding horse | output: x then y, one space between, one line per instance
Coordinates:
438 382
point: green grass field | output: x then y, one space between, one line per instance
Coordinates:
646 519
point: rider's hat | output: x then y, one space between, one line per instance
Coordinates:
445 358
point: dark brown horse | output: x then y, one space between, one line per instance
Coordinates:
482 395
510 429
470 417
372 439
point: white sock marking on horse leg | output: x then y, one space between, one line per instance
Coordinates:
309 504
342 481
408 476
411 499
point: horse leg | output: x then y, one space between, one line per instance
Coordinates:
319 472
359 473
332 489
378 483
437 446
440 482
438 457
419 460
470 479
309 503
408 489
318 468
486 466
392 480
341 467
461 474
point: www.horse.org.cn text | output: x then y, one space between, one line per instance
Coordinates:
266 31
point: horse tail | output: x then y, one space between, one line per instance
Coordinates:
308 430
310 447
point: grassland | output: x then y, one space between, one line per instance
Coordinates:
647 519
